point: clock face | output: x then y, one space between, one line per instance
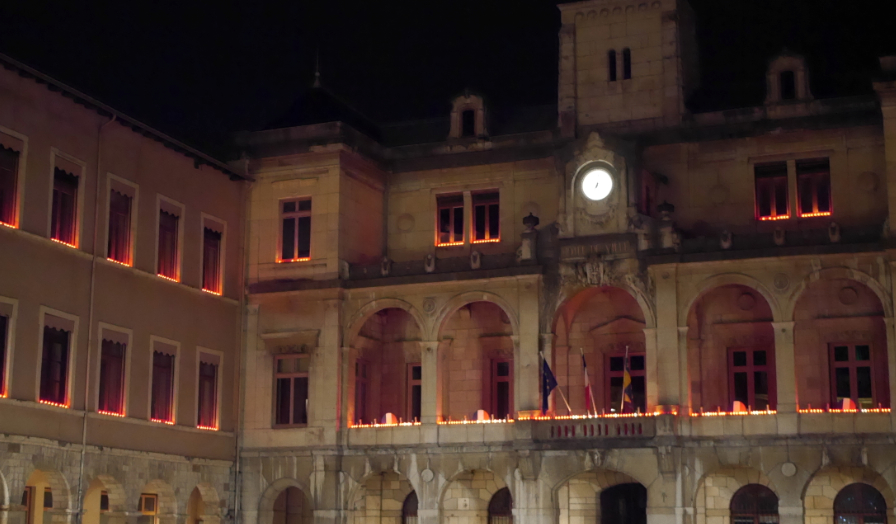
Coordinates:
597 184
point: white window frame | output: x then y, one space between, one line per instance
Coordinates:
219 382
133 240
180 234
10 342
102 327
20 174
82 188
223 257
152 344
72 352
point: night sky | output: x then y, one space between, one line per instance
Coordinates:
201 70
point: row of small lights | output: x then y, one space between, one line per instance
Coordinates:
285 260
114 414
802 215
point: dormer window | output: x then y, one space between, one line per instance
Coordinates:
468 123
788 85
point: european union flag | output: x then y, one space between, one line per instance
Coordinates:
548 383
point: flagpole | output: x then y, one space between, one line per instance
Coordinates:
558 388
590 389
624 366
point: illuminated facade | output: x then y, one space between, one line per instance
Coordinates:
405 279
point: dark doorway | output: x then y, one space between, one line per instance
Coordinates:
624 504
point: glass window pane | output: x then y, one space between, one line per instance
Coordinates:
300 400
863 384
841 354
741 390
494 221
416 373
289 239
616 363
806 195
760 390
823 190
305 205
759 358
479 222
636 363
304 237
415 402
781 196
763 195
302 364
740 358
285 365
458 224
503 369
639 393
841 383
502 404
289 207
283 390
863 353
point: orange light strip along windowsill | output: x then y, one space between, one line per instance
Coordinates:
593 417
286 260
487 241
63 243
160 421
208 428
209 291
393 425
779 217
125 264
56 404
449 244
110 413
733 413
818 214
488 421
11 226
820 410
168 278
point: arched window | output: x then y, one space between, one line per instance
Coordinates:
624 504
860 504
626 63
289 507
611 64
409 509
754 504
500 508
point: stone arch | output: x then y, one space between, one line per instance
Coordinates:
57 484
846 273
824 485
458 301
118 500
269 496
353 327
582 490
478 486
167 499
724 279
388 488
712 499
643 300
207 508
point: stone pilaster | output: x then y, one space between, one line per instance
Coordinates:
684 373
325 408
526 361
431 384
785 367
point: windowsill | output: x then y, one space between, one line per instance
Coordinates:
167 281
289 426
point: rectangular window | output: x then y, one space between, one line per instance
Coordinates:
162 394
54 363
615 374
771 191
486 218
502 388
104 501
295 230
626 64
149 504
28 503
112 367
814 183
119 244
451 220
851 376
169 256
65 203
611 65
207 417
9 170
291 379
4 335
361 392
48 498
211 260
415 391
751 378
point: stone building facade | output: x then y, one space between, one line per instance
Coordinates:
405 283
119 335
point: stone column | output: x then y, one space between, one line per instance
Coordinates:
526 362
684 373
325 404
431 384
785 368
890 324
347 391
652 371
664 357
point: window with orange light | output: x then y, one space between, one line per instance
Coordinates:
9 166
65 201
771 191
751 378
4 335
486 218
814 183
451 220
852 375
207 416
119 243
169 231
112 359
55 361
162 394
211 260
295 230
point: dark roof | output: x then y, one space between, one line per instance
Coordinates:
319 105
78 97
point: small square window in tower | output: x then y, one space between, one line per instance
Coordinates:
65 202
814 183
295 230
486 218
450 220
771 191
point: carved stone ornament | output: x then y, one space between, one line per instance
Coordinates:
598 272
